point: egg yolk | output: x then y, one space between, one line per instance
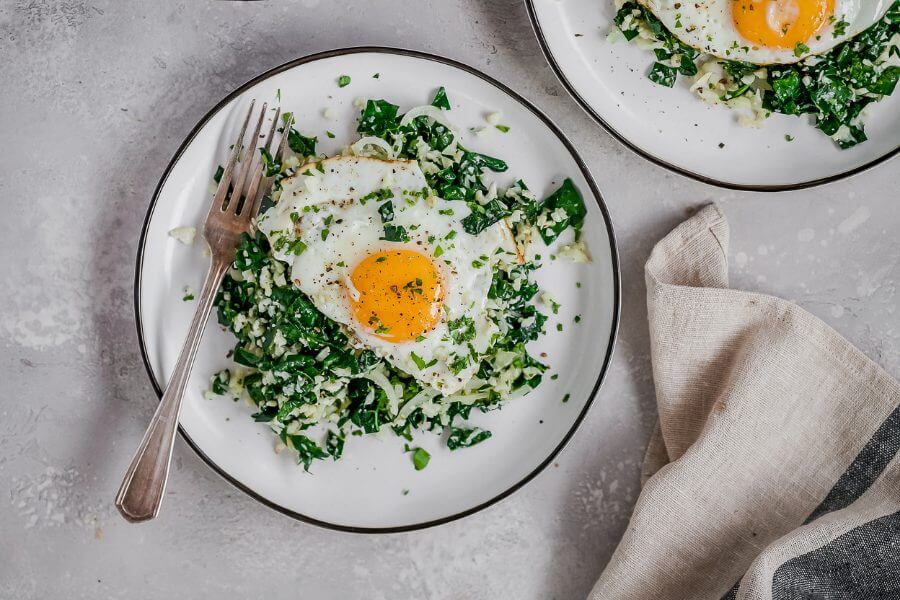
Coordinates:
397 294
780 23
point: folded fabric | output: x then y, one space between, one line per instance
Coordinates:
773 473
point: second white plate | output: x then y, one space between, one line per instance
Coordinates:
675 129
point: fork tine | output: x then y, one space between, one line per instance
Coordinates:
234 205
289 122
225 181
257 190
273 128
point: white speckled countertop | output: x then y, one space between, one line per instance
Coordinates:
95 99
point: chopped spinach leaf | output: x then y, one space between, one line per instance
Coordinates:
483 216
563 208
465 438
334 444
440 99
302 145
395 233
386 211
378 118
663 74
307 450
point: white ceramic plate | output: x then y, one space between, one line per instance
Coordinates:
363 491
675 129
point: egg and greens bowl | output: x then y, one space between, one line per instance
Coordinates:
826 58
389 287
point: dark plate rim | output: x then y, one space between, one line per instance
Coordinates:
472 71
557 70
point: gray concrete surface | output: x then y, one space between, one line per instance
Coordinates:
94 99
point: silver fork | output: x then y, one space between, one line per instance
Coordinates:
142 490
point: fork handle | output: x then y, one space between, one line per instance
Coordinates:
142 490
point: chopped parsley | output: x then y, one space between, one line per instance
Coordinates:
420 362
840 28
420 458
564 208
800 49
334 444
343 81
307 450
841 82
382 194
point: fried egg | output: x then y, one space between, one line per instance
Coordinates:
417 301
766 31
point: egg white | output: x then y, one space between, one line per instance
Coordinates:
328 196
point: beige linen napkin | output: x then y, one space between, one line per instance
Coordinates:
774 468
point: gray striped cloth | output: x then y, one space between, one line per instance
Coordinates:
774 472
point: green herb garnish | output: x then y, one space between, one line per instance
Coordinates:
420 458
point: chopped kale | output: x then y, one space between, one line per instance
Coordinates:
564 201
465 438
307 450
738 69
395 233
420 458
462 330
378 118
663 74
386 211
334 444
272 166
483 216
302 145
440 99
